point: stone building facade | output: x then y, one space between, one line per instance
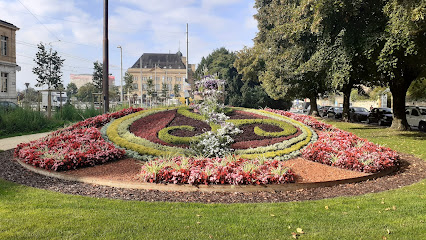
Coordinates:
161 68
8 65
82 79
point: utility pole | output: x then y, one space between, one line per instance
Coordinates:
140 64
105 85
187 56
121 73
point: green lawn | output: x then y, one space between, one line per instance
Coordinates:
28 213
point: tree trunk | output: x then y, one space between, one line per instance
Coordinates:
314 106
399 89
347 88
49 103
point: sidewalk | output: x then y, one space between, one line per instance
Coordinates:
11 143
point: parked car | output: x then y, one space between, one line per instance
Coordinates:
382 116
323 110
358 114
4 105
416 117
335 112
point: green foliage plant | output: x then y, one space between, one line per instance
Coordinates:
97 75
164 134
288 129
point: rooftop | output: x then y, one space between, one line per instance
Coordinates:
10 25
161 60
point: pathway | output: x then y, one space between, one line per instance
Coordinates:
11 143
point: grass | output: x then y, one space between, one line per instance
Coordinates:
23 121
397 214
412 142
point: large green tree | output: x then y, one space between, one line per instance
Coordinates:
296 55
250 65
353 30
220 63
402 59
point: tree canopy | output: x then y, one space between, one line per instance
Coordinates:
98 75
402 58
48 69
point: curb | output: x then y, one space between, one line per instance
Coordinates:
203 188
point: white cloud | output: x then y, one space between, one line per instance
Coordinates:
160 6
137 25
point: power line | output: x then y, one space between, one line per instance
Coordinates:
39 20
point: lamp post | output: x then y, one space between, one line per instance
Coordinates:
121 73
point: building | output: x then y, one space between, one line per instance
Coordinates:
162 68
8 65
81 79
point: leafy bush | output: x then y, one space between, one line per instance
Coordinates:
23 120
231 170
164 134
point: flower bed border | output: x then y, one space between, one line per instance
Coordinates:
204 188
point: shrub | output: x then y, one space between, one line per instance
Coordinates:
231 170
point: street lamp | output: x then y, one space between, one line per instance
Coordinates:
121 73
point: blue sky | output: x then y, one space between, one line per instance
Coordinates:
137 25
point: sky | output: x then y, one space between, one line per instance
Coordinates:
74 28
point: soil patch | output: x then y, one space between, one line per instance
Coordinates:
180 120
411 170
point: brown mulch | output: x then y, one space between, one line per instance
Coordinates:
199 126
411 170
306 171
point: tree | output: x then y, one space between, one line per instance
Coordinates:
150 87
176 90
164 90
85 92
220 63
295 54
114 93
250 65
98 75
29 95
128 83
354 29
48 71
402 58
71 90
417 89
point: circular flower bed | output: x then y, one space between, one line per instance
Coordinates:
162 132
165 137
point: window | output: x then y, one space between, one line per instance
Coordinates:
135 86
178 79
157 87
145 86
3 82
169 79
414 112
144 79
157 79
135 78
3 45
